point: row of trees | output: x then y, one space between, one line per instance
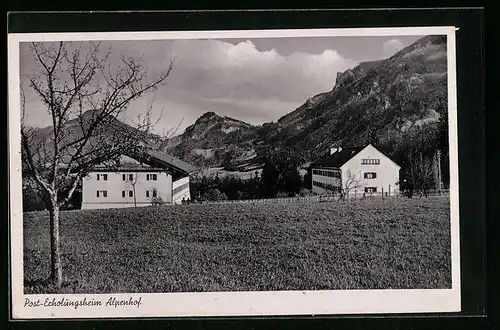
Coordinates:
423 153
280 177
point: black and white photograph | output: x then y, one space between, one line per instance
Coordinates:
177 174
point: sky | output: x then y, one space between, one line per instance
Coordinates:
254 80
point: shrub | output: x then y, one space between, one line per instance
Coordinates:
157 201
32 200
214 195
305 192
282 194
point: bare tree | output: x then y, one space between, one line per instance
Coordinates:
351 181
133 183
418 147
422 172
84 96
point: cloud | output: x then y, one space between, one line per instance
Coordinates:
245 82
236 80
243 70
392 46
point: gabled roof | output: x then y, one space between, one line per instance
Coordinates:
170 161
135 168
156 160
338 158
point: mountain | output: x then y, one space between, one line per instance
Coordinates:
213 140
42 140
373 102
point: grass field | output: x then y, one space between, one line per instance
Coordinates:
364 244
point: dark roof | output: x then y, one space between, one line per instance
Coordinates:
138 168
171 161
337 159
156 160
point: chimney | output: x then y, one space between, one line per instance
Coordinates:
335 149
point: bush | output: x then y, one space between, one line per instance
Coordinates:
305 192
282 194
157 201
32 200
214 195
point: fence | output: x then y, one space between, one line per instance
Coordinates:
432 193
325 198
315 198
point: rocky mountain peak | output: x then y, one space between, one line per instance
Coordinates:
208 116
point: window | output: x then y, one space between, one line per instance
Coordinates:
370 161
102 193
151 193
327 186
102 176
370 175
130 193
130 177
151 177
370 189
327 173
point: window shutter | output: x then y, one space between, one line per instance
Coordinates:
98 192
123 193
123 177
98 177
147 192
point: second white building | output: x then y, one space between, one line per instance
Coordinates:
357 171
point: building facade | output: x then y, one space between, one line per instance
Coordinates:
155 178
358 171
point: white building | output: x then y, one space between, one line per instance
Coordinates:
138 181
356 171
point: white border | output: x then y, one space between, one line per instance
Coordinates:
233 303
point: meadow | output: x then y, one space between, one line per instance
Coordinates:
395 243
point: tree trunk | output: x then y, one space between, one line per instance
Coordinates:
135 197
55 253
